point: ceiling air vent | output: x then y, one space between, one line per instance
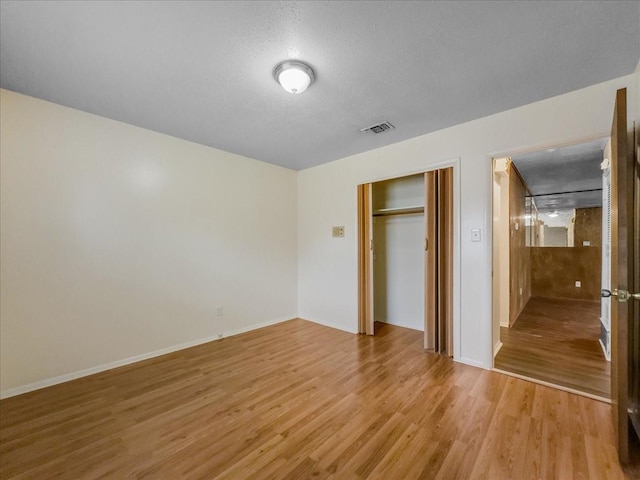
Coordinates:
378 128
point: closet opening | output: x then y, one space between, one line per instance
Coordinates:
405 243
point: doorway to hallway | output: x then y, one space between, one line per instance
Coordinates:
551 252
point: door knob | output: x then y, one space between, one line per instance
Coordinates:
623 295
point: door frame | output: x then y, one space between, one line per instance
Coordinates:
453 163
490 163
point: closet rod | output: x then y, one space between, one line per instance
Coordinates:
398 211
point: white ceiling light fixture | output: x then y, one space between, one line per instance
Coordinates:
295 77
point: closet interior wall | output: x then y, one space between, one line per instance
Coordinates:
398 251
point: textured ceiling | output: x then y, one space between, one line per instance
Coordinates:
564 178
202 70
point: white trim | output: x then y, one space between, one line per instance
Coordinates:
331 325
505 325
497 348
254 326
457 259
553 385
603 322
473 363
431 167
604 350
531 148
12 392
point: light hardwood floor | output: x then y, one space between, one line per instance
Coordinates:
556 341
298 400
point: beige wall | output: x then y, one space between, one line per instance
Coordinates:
500 250
118 242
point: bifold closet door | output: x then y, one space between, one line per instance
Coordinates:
445 259
365 260
438 295
431 261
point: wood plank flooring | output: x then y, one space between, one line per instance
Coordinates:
556 341
298 400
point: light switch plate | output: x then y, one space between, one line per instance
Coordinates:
475 235
338 231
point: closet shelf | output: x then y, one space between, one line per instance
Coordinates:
383 212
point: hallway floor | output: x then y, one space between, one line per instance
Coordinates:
556 341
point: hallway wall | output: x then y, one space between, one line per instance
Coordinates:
519 253
555 270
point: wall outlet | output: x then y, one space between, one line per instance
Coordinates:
475 235
219 311
338 231
578 284
586 243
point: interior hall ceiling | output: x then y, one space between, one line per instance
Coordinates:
202 71
564 178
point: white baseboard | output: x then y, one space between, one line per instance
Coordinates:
402 324
497 348
505 325
12 392
604 350
472 362
331 325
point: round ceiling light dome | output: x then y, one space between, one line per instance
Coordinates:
294 76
